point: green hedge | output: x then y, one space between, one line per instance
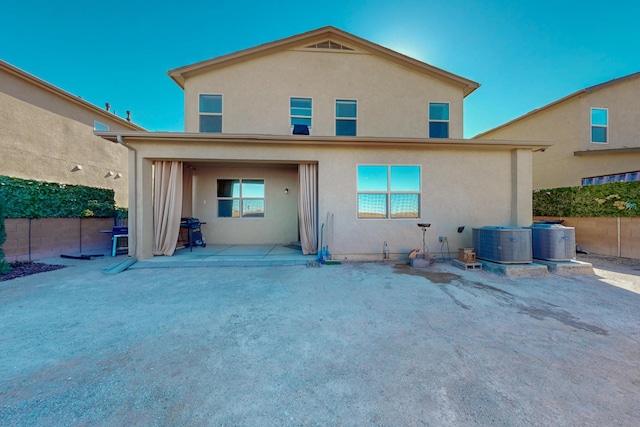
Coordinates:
27 198
613 199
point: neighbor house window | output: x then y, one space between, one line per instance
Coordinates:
388 191
438 120
346 117
618 177
301 111
99 126
241 198
599 125
210 113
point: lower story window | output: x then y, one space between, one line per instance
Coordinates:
241 198
388 191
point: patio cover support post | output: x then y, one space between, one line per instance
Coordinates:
131 215
521 187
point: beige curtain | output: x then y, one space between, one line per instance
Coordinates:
307 207
187 191
167 206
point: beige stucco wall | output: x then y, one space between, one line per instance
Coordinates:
45 132
392 100
568 124
460 187
280 222
38 144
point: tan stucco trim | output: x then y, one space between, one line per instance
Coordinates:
179 75
522 184
607 151
587 90
33 80
177 137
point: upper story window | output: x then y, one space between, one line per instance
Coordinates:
438 120
99 126
599 125
346 117
301 111
241 198
210 113
388 191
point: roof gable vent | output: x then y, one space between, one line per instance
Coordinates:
328 44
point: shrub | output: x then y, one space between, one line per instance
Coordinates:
27 198
612 200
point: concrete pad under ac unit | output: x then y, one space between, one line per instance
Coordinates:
567 268
515 270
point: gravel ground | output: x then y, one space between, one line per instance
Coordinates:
351 344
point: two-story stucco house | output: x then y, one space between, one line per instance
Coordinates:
47 134
323 124
596 133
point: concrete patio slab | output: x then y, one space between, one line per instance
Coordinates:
230 256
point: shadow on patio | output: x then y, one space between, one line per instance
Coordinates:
230 256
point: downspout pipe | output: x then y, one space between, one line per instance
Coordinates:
120 140
132 194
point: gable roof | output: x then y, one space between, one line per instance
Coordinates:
37 82
586 90
341 38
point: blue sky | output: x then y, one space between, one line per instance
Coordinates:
525 54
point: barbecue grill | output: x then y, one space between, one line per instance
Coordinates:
194 228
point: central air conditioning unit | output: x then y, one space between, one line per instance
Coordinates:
505 245
553 242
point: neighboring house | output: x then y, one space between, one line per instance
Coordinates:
47 134
597 135
384 152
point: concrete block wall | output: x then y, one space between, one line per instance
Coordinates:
630 240
31 240
618 237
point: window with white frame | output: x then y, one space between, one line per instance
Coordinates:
388 191
438 120
241 198
210 108
599 125
99 126
301 111
346 117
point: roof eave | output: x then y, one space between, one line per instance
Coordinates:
624 150
176 137
587 90
66 95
